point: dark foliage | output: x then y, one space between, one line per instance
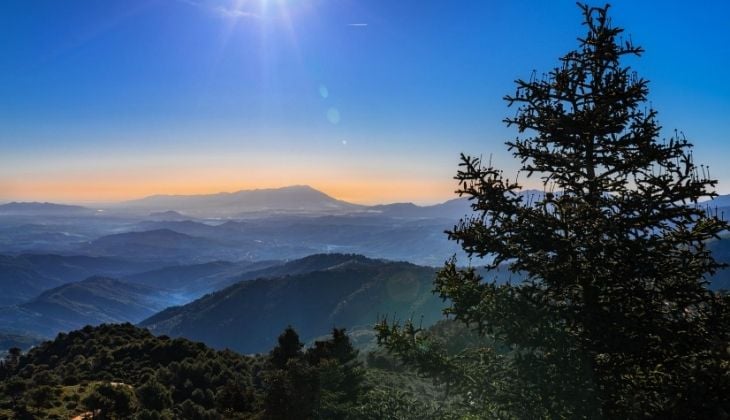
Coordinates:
326 381
121 371
614 318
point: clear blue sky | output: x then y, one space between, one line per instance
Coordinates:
369 100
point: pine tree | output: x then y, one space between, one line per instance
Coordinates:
613 318
289 347
340 375
291 384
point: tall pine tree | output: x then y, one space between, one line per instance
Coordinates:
613 318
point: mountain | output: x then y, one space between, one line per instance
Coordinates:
92 301
721 252
307 264
167 215
293 199
157 245
297 199
188 227
38 237
194 280
248 316
719 201
43 209
20 282
9 340
418 240
453 210
24 277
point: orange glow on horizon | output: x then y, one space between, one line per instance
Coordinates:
107 191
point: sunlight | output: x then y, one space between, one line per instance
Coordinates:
267 13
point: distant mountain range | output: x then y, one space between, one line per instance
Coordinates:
157 244
175 247
343 290
298 199
43 209
452 209
720 202
419 240
294 199
312 293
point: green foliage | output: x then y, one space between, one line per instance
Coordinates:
289 348
157 373
382 404
41 397
341 375
152 395
110 401
292 391
120 371
326 381
613 318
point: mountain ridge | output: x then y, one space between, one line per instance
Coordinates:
352 292
42 208
92 301
296 198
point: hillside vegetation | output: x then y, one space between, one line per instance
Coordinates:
352 293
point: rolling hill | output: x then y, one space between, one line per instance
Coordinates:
93 301
24 277
157 245
195 280
249 315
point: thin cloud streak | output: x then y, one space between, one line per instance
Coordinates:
235 13
227 12
358 25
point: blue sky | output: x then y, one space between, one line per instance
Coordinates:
371 101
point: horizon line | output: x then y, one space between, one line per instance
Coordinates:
82 202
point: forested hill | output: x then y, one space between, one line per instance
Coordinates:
112 362
248 316
124 372
92 301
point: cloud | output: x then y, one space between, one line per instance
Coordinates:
224 11
235 13
358 25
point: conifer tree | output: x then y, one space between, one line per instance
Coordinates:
613 318
289 347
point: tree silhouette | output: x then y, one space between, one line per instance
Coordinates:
340 375
289 347
613 318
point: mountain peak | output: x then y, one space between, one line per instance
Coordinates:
290 199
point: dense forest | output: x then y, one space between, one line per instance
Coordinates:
122 371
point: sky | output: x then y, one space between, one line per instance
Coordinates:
370 101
